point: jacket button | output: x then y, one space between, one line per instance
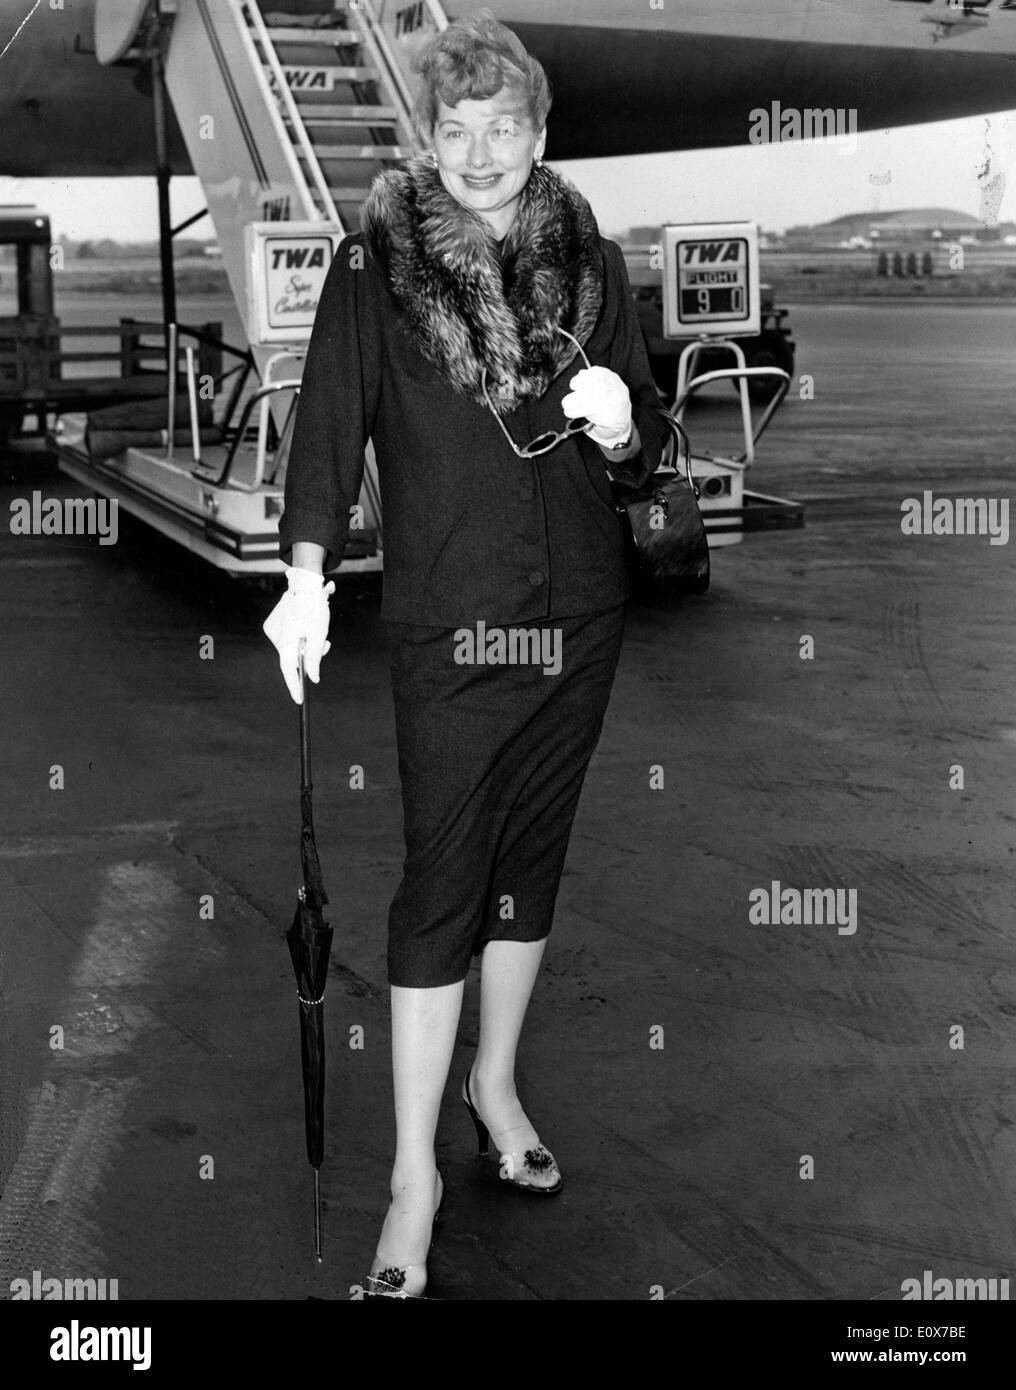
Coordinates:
536 577
527 492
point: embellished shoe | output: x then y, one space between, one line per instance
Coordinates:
401 1281
518 1169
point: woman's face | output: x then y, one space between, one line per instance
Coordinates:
485 151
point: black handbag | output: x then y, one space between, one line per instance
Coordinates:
668 552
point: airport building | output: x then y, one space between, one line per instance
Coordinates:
907 226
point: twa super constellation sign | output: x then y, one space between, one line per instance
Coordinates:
288 264
710 280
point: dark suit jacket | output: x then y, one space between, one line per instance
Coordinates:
471 531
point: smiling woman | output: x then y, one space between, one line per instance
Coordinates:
458 66
484 151
482 115
482 333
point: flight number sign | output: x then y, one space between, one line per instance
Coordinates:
710 279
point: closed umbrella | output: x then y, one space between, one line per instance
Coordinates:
310 941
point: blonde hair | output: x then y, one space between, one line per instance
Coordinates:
472 60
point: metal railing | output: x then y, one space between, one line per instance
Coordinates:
259 397
752 432
373 37
172 331
204 340
251 22
438 15
130 353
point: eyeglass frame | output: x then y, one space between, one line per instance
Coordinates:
574 426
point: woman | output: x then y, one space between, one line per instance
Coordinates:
452 332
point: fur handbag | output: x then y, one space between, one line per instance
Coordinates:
668 552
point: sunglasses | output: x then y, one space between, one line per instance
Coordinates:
543 443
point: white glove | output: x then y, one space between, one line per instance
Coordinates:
602 397
299 621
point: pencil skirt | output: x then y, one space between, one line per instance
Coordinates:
492 757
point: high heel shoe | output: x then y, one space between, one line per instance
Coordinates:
394 1281
513 1167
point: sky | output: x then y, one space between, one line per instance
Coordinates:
968 165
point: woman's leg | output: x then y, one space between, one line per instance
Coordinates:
424 1026
508 972
551 756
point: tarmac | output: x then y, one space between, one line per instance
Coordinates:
741 1110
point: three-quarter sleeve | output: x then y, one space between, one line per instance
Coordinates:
336 413
628 357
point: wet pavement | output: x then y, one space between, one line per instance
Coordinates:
162 1144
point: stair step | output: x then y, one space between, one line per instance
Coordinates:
341 73
349 115
360 151
282 33
349 195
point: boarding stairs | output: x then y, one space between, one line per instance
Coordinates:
287 116
305 108
343 107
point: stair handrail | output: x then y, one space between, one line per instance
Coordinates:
258 397
742 375
377 45
438 15
172 357
249 9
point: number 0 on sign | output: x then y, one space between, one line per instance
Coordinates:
710 280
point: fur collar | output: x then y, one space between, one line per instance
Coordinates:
466 310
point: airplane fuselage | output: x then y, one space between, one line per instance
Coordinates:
629 76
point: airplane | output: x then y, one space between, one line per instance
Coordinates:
629 76
286 109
